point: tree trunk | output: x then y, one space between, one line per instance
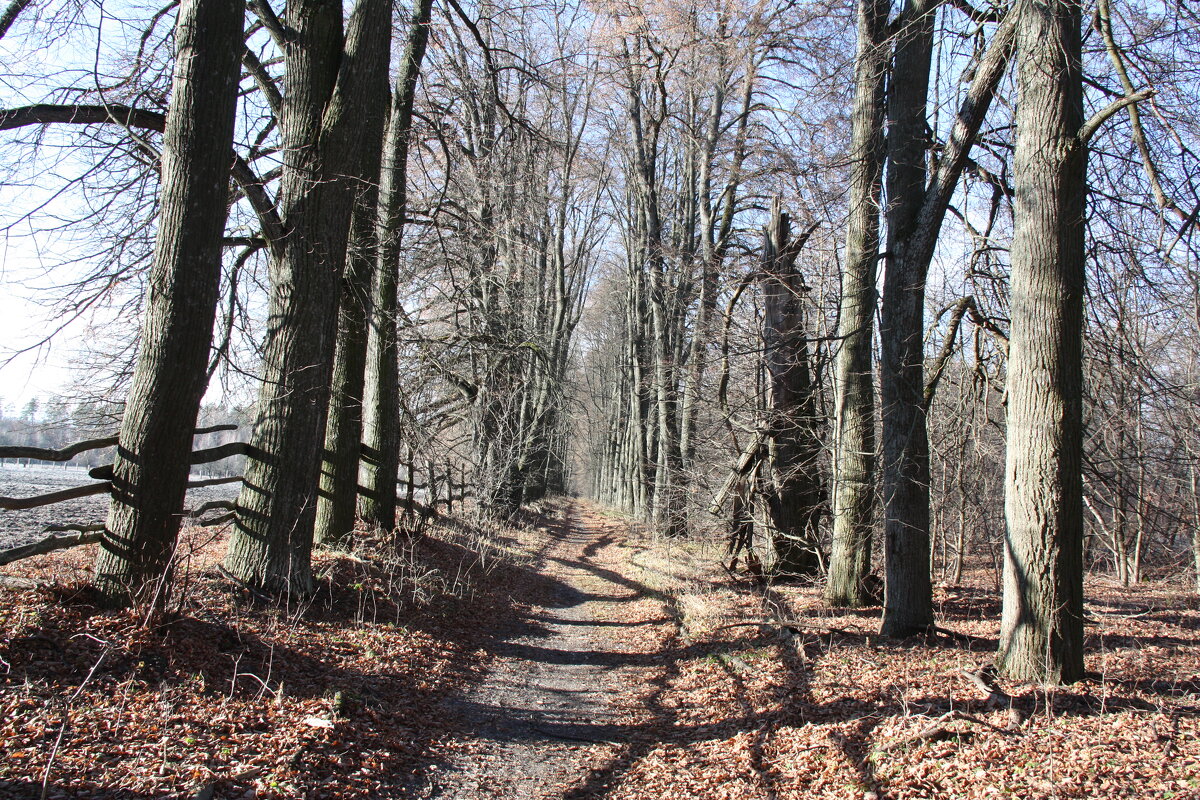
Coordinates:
152 464
908 592
271 546
669 511
337 499
1195 480
794 486
915 217
1041 637
381 409
854 501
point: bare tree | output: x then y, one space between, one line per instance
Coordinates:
379 464
1041 634
853 481
916 209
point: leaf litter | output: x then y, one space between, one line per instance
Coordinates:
396 679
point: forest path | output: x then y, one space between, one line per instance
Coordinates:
585 641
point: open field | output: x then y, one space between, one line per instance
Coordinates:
19 527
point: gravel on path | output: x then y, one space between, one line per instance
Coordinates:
550 708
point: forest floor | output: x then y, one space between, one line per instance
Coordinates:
573 655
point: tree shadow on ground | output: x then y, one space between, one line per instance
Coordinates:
853 722
222 647
32 790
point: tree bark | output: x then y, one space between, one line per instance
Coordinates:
794 486
152 464
271 545
1041 637
338 496
1195 485
854 502
380 463
914 222
908 591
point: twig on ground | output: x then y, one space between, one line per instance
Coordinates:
984 679
255 592
938 729
17 583
67 717
793 625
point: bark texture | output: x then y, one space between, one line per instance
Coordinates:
380 464
151 469
854 500
915 219
908 591
1041 635
338 495
794 488
324 90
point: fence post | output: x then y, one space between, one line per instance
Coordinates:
432 483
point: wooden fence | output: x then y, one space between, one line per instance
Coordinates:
439 487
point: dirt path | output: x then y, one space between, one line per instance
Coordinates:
550 706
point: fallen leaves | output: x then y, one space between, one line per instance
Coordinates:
341 699
226 697
833 711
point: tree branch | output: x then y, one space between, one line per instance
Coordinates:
938 366
1090 127
266 84
251 184
11 13
264 207
47 113
955 156
975 14
280 33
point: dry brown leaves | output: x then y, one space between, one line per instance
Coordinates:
330 700
242 698
830 709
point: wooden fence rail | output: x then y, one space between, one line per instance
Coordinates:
74 493
227 450
85 533
433 481
72 450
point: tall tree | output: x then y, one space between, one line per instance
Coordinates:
327 81
338 496
854 499
380 463
1041 636
152 465
908 592
916 210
